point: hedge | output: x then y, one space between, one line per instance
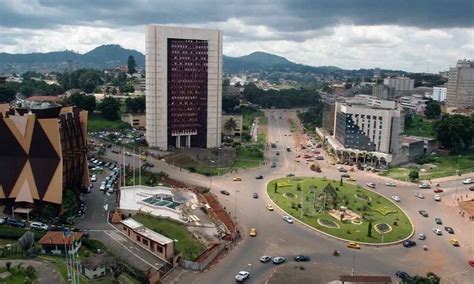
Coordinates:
7 232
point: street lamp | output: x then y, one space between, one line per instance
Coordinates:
210 174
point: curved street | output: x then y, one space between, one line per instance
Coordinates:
278 238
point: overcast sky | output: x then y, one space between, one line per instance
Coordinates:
411 35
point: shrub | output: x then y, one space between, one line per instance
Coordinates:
395 223
93 245
30 271
8 265
7 232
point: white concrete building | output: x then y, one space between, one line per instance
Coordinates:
400 83
461 85
183 87
439 94
362 128
414 103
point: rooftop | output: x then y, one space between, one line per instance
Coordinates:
150 234
58 238
99 260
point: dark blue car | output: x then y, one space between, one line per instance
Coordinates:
403 275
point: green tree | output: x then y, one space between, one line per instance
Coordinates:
230 103
135 105
432 109
8 92
413 175
132 65
87 102
230 124
110 108
369 230
455 132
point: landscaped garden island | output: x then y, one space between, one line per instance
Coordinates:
341 209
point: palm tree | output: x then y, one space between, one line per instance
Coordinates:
230 124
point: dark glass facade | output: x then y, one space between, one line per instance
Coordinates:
350 135
187 90
329 109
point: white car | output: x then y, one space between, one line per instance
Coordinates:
390 183
437 197
467 181
288 219
419 195
93 178
421 237
242 276
110 190
424 185
102 187
39 226
437 231
396 198
370 184
265 258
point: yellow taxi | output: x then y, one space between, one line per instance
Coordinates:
253 232
269 207
454 242
353 245
351 179
237 179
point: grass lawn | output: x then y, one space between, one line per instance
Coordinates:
187 243
445 166
97 122
248 156
248 116
421 127
18 275
366 203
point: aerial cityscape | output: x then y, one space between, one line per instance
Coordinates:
243 141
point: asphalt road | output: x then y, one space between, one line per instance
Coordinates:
276 237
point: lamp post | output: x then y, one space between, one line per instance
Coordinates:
210 174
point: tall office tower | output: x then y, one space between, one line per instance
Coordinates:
461 85
402 86
183 87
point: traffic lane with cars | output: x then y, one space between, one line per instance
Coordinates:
98 203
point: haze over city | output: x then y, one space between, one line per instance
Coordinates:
416 36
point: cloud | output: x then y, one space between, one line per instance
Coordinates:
350 34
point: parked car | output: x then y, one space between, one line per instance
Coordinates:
421 236
225 192
255 195
471 188
409 243
396 198
38 226
419 195
438 221
423 213
370 184
273 165
16 223
449 230
319 158
390 183
288 219
237 179
437 231
345 176
437 197
265 258
93 178
242 276
403 275
278 260
259 177
467 181
342 170
301 258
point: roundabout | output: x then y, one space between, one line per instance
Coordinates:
341 210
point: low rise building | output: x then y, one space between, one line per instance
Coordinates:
58 243
155 243
97 266
235 131
137 120
338 89
413 103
